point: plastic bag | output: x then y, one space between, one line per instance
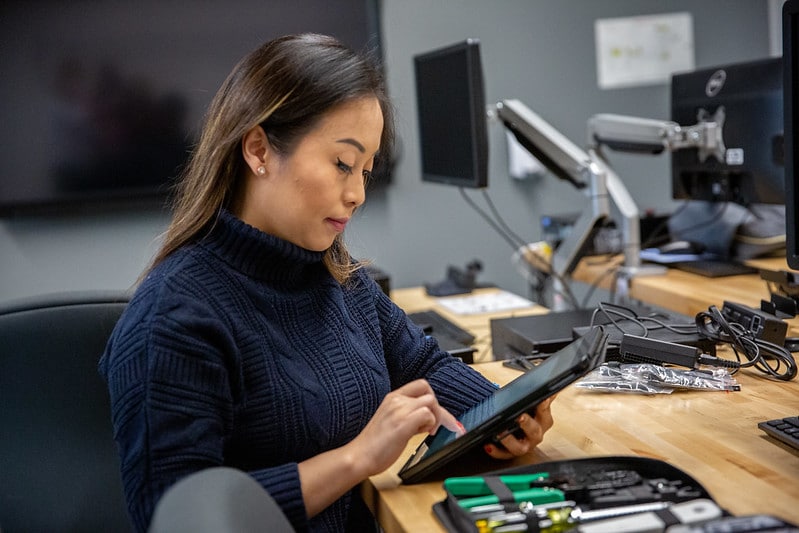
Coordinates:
647 378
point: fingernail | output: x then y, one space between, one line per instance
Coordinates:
488 448
461 428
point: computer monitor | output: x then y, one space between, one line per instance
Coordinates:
451 107
746 99
790 58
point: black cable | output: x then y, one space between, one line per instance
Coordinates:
497 227
516 242
594 285
765 356
500 220
653 239
792 344
680 329
610 309
640 321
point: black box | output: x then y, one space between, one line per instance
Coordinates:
761 324
549 332
526 335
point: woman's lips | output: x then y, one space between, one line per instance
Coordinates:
338 223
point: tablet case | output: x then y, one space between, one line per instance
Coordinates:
499 411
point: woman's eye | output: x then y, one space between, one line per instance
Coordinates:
344 167
367 175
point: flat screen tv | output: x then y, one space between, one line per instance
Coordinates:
101 100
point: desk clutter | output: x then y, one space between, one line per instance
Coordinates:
756 338
715 438
538 335
592 495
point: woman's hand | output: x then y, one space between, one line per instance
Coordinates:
533 429
404 412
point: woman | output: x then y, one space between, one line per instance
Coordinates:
254 340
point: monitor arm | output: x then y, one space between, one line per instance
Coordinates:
585 170
644 135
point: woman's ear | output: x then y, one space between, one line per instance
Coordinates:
254 148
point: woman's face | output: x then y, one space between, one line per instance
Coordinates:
309 196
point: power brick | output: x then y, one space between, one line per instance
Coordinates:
761 324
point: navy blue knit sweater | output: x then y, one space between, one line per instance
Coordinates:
242 350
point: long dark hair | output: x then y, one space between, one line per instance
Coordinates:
286 85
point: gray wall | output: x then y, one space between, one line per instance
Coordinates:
539 51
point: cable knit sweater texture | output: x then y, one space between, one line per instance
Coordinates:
241 350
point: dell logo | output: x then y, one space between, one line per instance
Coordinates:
715 83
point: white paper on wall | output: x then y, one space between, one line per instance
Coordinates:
643 50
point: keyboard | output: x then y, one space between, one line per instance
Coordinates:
783 429
714 268
437 326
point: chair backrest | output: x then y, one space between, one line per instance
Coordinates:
218 499
59 468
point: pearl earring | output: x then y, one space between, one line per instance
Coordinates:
261 170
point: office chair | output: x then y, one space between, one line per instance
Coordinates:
218 499
59 468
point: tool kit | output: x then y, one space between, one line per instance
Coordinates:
593 495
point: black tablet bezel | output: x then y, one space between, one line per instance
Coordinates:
570 363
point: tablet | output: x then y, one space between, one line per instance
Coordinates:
498 412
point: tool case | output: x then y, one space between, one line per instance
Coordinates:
591 495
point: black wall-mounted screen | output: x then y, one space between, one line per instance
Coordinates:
452 115
101 100
747 99
790 57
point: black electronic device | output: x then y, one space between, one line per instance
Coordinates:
760 324
746 101
523 336
499 411
435 324
635 349
453 131
536 336
785 430
678 335
450 337
102 100
790 58
714 268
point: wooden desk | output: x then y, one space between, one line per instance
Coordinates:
680 291
713 436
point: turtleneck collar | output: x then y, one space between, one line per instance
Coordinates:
258 254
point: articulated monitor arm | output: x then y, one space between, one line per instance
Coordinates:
591 172
585 170
553 149
635 134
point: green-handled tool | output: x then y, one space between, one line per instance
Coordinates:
477 486
536 496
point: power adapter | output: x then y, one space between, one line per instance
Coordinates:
761 324
635 349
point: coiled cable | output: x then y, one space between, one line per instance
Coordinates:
767 357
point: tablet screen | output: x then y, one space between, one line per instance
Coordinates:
499 411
